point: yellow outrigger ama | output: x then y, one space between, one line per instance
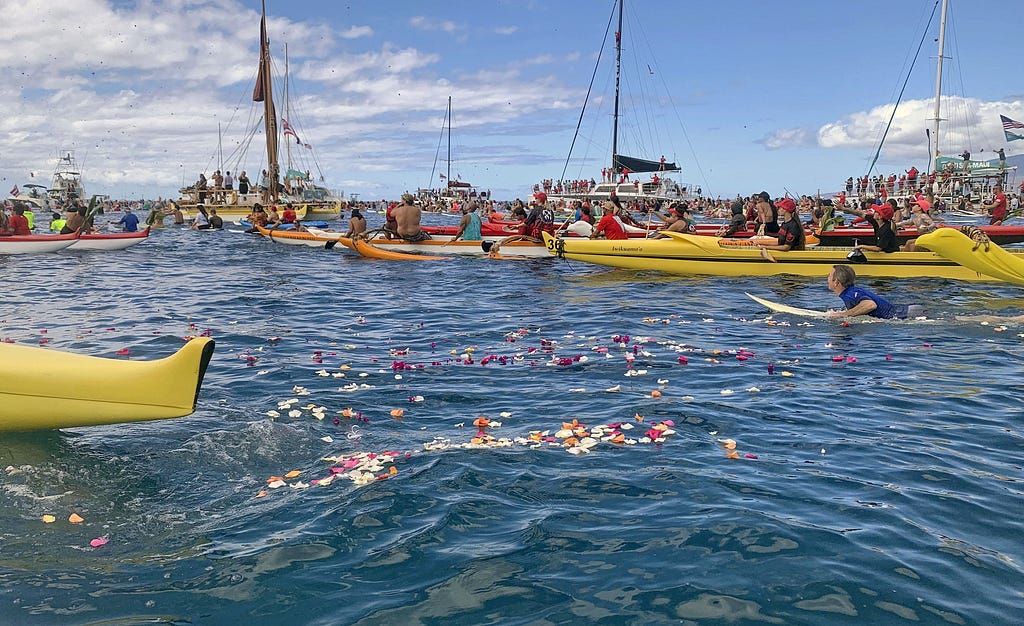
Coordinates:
44 389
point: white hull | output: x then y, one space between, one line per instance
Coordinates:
38 244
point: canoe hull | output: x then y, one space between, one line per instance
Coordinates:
44 389
109 241
34 244
701 255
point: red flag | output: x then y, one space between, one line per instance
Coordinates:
261 75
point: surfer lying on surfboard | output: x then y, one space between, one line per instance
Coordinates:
860 301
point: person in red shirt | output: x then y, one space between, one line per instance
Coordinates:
610 227
288 216
996 209
18 223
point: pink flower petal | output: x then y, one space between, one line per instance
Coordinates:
98 541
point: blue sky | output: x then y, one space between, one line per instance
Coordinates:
784 96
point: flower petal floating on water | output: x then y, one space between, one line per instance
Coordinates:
397 413
74 518
49 519
615 388
99 541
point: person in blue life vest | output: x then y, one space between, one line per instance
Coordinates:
860 301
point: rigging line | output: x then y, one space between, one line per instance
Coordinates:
593 77
437 152
902 89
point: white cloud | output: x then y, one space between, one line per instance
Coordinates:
425 23
787 138
967 123
356 32
506 30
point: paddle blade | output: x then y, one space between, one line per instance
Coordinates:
486 245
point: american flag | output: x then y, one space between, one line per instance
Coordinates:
1012 128
1009 124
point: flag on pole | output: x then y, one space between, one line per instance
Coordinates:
15 191
288 130
1013 129
442 176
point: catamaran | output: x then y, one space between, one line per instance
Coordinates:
296 186
622 179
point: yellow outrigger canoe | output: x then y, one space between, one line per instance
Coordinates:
949 254
45 389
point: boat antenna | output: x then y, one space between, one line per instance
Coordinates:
899 98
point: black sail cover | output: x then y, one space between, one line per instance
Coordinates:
634 164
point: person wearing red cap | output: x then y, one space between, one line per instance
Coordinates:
921 220
880 217
997 208
541 218
791 232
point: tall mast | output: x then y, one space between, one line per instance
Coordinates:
269 115
938 89
287 112
615 118
449 141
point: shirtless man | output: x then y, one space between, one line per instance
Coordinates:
407 216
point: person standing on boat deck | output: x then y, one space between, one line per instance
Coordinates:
791 233
997 208
129 221
407 217
356 223
201 188
229 182
860 301
218 186
215 220
967 158
469 227
243 183
1002 158
880 218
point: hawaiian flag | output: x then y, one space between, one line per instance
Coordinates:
15 191
442 176
289 131
1013 130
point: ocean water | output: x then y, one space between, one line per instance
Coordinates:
813 472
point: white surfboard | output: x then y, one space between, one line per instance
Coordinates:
778 307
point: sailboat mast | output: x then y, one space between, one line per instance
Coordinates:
288 113
269 115
938 88
615 119
449 174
